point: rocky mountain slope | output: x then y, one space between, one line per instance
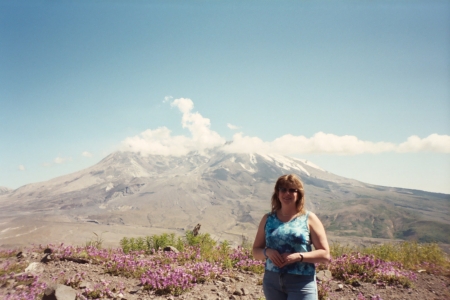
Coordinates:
127 193
4 190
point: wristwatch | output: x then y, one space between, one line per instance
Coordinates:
264 252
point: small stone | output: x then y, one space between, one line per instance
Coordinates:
10 282
64 292
49 293
85 284
245 291
135 289
35 268
47 257
356 283
324 275
340 287
237 293
171 249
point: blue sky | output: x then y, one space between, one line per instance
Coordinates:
360 88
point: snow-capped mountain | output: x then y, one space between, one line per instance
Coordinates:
226 192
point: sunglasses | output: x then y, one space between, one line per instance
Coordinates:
284 190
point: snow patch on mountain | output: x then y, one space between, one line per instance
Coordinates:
249 169
310 164
253 158
137 170
285 163
266 157
109 186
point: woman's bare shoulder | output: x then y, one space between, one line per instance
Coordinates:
313 218
265 216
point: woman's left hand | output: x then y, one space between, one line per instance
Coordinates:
290 258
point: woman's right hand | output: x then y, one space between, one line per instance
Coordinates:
275 257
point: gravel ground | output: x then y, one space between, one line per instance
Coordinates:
235 285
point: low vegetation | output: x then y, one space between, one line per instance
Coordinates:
200 259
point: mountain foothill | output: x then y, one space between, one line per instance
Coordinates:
129 194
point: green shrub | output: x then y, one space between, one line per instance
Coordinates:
12 267
157 242
245 242
411 255
95 242
337 250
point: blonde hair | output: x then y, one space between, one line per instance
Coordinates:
289 181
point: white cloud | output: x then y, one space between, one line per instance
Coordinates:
326 143
161 141
319 143
167 99
233 127
22 168
86 154
60 160
432 143
158 141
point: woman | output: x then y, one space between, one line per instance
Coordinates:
284 239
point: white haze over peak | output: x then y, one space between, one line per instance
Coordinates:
22 168
160 141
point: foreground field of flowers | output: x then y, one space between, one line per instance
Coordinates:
195 260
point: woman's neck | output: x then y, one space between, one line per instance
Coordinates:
287 212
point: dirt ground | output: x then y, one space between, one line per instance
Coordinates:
235 285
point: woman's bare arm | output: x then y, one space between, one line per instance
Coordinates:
319 240
260 243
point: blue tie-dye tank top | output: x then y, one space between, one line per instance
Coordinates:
289 237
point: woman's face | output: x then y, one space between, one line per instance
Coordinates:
287 195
